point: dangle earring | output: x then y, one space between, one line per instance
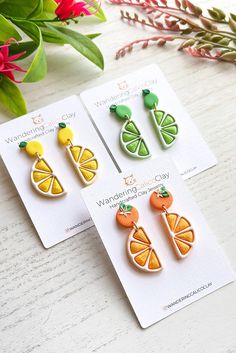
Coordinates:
164 123
83 159
179 229
131 140
139 247
42 176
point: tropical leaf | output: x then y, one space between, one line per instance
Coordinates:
81 43
29 47
48 10
19 8
93 35
7 30
37 10
50 36
95 7
38 67
11 97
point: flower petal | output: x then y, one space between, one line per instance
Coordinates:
16 56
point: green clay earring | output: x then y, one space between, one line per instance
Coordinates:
131 140
165 124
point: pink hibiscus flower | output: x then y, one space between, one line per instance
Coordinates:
71 8
6 65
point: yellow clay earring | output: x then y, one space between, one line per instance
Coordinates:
83 159
43 178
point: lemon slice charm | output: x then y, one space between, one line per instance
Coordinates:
43 178
165 125
131 140
85 163
83 159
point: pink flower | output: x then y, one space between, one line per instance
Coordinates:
71 8
6 66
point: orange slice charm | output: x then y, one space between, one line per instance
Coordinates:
141 252
181 233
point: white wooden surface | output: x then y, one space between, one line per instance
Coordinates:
68 299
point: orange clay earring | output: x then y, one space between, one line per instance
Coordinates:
139 247
179 228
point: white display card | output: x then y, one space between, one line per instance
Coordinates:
154 296
55 219
190 152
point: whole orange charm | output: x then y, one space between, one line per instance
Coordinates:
127 216
161 199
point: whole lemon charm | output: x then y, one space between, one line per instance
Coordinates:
33 148
65 135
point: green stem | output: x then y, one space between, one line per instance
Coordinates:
223 33
44 20
229 33
216 45
56 19
165 7
190 23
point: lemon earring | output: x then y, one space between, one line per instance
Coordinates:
164 124
139 247
83 159
42 176
179 229
131 140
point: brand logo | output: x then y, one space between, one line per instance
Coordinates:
129 180
38 119
122 85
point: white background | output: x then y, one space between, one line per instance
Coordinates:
68 298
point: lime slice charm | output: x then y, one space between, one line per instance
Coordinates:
165 126
132 142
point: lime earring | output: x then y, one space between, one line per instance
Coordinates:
179 229
139 247
131 140
83 159
164 123
43 178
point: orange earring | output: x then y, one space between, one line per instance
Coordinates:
139 247
179 229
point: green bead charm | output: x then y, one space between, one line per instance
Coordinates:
122 111
150 99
